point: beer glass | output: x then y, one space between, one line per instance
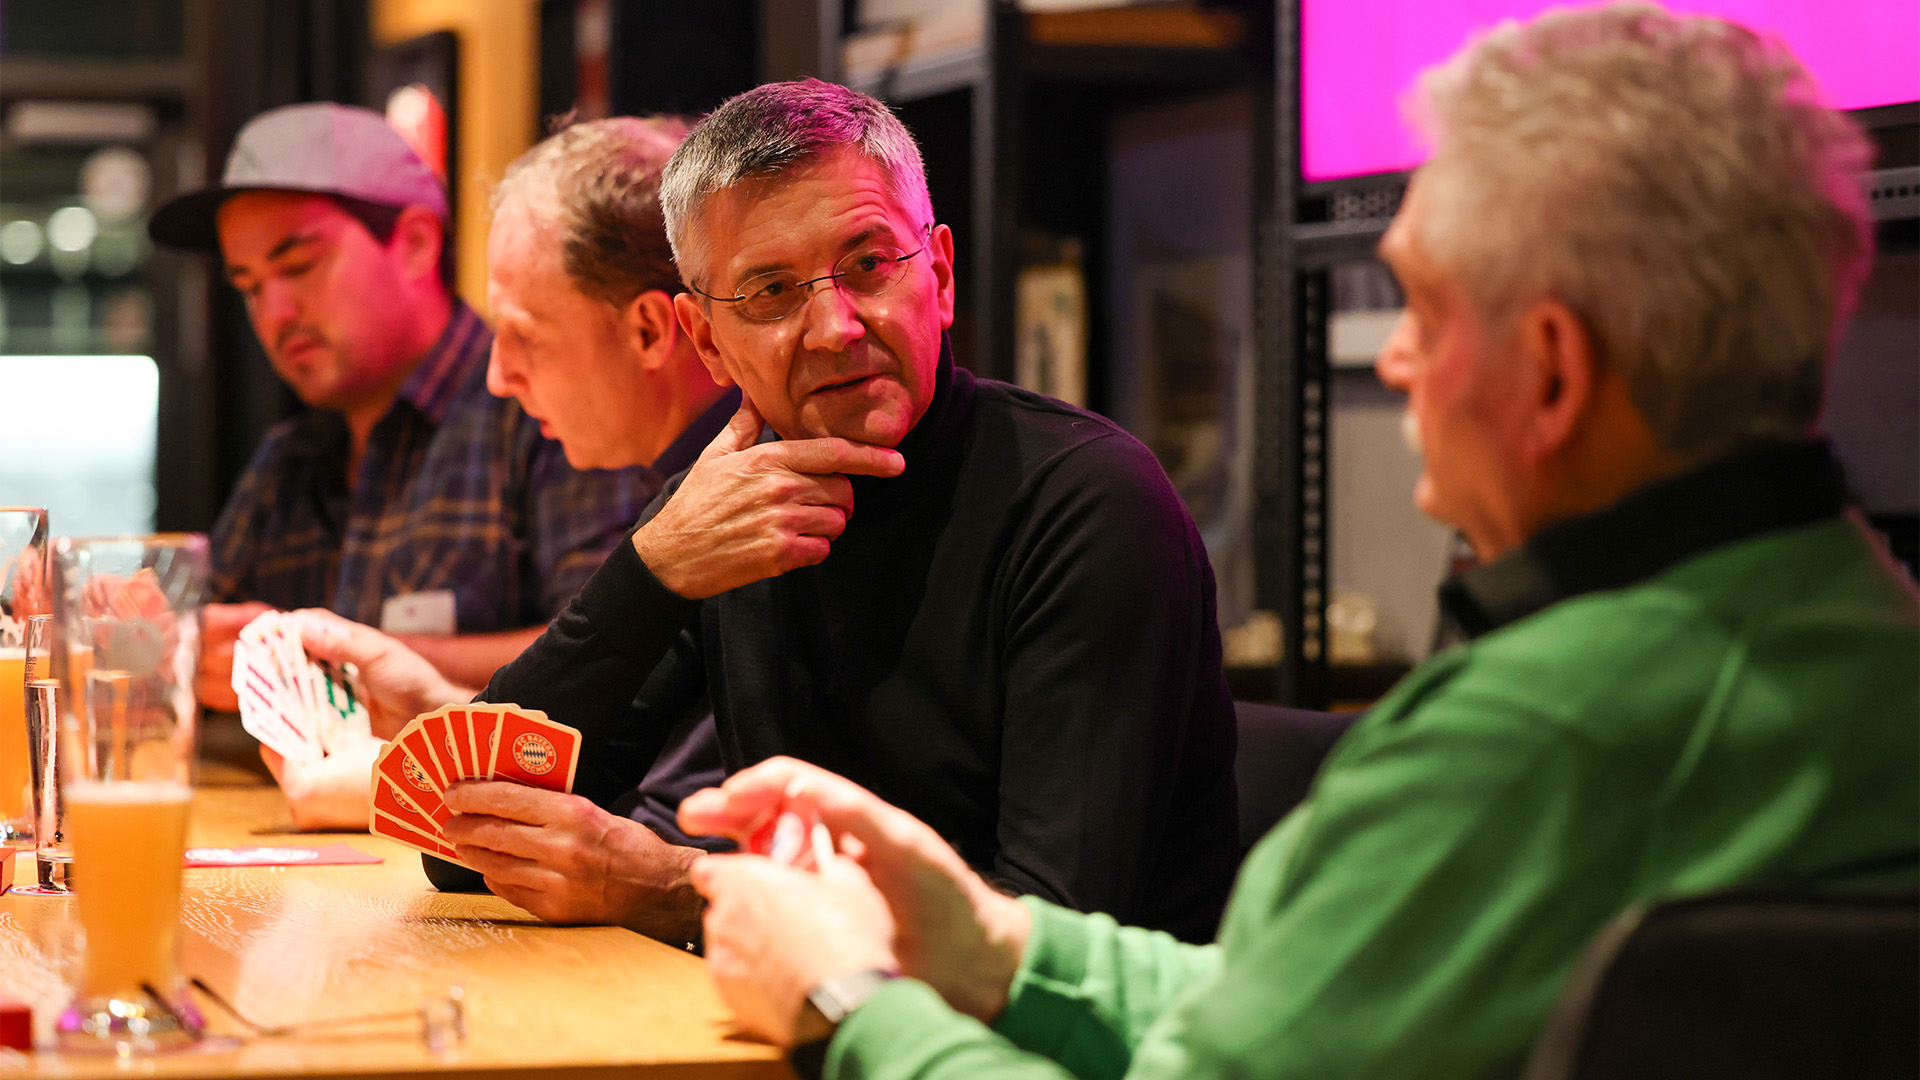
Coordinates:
23 594
126 781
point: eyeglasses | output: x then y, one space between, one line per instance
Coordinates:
867 271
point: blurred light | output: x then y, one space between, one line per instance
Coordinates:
417 115
115 183
80 122
72 228
20 242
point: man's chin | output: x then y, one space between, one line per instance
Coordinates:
883 419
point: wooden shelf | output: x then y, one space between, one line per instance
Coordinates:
95 80
1154 46
1153 26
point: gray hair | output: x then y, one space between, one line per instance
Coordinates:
773 131
1677 184
599 182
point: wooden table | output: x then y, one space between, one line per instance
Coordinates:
303 943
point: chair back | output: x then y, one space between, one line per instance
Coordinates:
1280 751
1748 985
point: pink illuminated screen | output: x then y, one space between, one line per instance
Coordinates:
1360 57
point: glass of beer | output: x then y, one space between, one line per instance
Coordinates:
23 594
126 777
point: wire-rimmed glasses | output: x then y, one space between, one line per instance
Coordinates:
868 270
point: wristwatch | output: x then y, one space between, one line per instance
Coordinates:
828 1005
837 998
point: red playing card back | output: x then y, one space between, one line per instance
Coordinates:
483 725
419 746
447 729
394 803
396 765
397 830
531 749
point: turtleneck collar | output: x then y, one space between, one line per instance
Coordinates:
932 449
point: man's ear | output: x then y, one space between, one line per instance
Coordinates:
940 248
652 328
698 326
1565 371
418 237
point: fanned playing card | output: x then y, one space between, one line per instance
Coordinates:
530 749
463 742
302 708
483 722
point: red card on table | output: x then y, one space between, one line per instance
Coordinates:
531 749
419 746
395 765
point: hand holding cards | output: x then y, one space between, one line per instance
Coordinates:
464 742
303 709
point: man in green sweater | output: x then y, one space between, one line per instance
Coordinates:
1688 665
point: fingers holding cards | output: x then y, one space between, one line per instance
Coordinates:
464 742
302 709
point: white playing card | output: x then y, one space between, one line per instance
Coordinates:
266 710
260 639
297 672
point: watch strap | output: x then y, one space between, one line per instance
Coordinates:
836 998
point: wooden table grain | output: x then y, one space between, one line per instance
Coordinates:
298 944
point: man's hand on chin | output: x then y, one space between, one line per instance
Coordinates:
748 511
568 861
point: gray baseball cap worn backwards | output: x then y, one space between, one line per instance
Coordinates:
322 148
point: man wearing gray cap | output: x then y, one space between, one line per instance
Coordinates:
407 496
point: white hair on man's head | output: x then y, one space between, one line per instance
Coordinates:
774 130
1677 184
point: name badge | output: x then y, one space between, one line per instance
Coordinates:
429 612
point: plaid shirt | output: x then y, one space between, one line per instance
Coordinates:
457 490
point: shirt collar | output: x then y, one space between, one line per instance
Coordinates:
686 448
1775 486
450 364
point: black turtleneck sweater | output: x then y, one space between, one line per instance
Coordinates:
1015 641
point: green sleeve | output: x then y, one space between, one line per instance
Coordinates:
1416 918
1364 939
1086 991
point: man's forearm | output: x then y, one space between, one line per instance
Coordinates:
471 659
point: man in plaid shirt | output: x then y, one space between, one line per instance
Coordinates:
407 495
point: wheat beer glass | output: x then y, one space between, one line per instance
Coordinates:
126 782
23 594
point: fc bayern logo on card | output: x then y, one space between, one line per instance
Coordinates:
413 774
533 753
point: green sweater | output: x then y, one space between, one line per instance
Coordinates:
1748 712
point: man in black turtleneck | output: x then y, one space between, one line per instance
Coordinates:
986 606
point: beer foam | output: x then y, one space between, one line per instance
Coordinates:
12 653
127 793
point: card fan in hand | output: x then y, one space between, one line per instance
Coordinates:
481 741
303 709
